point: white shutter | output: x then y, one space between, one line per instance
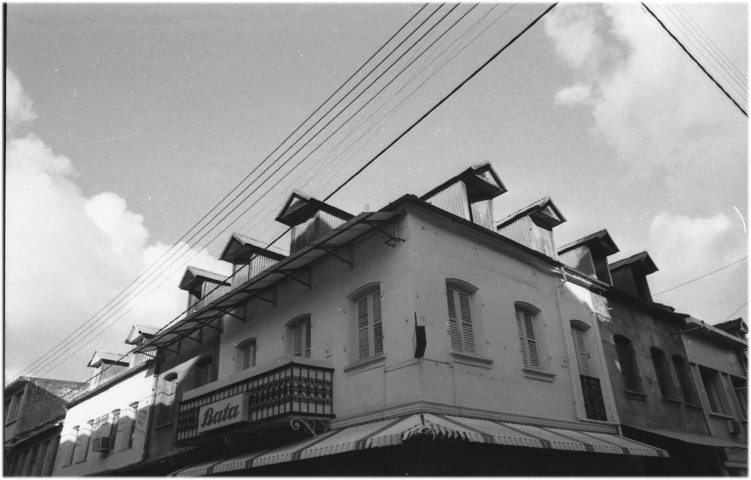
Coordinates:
527 341
123 428
297 341
467 335
363 340
582 357
82 445
307 339
456 343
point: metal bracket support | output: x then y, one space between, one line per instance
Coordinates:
393 240
292 277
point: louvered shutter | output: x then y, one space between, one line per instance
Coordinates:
82 444
527 341
456 343
582 356
64 450
363 341
114 428
467 335
377 325
297 341
307 338
124 428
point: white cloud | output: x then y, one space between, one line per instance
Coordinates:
685 248
574 94
648 98
18 106
68 255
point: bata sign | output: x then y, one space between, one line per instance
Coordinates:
225 412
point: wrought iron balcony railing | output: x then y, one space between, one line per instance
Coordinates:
291 389
593 403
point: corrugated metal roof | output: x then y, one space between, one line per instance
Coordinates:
99 357
537 206
599 240
643 260
194 274
429 427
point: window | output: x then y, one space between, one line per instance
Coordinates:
31 463
367 326
627 362
115 423
525 321
245 355
204 371
578 331
167 400
684 380
713 388
460 316
667 388
740 387
42 464
71 447
131 430
299 337
12 407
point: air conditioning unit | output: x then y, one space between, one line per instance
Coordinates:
734 426
101 444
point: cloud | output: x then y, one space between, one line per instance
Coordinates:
574 94
18 106
685 248
68 255
648 99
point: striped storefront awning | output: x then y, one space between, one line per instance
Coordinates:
428 427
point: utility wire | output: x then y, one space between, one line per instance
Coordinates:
699 278
734 312
405 132
695 60
317 133
249 174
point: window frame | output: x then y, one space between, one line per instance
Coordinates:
241 353
201 374
133 407
578 331
523 327
373 338
711 382
631 380
303 324
662 372
685 380
463 327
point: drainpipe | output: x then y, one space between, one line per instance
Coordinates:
152 414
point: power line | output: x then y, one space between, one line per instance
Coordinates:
405 132
695 60
57 347
699 278
734 312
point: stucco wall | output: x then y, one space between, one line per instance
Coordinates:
137 388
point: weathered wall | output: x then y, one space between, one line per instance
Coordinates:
646 330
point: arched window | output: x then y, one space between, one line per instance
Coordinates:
204 371
367 327
578 331
298 334
627 360
461 330
684 380
662 370
526 318
245 355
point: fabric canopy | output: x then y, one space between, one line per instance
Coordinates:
428 427
694 438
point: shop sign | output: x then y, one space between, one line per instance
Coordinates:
222 413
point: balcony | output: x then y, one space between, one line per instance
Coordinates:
295 388
593 403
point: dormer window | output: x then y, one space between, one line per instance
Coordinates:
107 365
248 257
203 287
533 226
469 195
630 274
310 219
589 255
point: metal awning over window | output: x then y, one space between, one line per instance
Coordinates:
428 427
290 267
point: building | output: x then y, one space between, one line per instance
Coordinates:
650 368
419 339
106 425
34 412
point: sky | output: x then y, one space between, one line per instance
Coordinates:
126 124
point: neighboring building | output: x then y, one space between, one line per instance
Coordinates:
413 340
719 364
34 410
105 429
656 398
